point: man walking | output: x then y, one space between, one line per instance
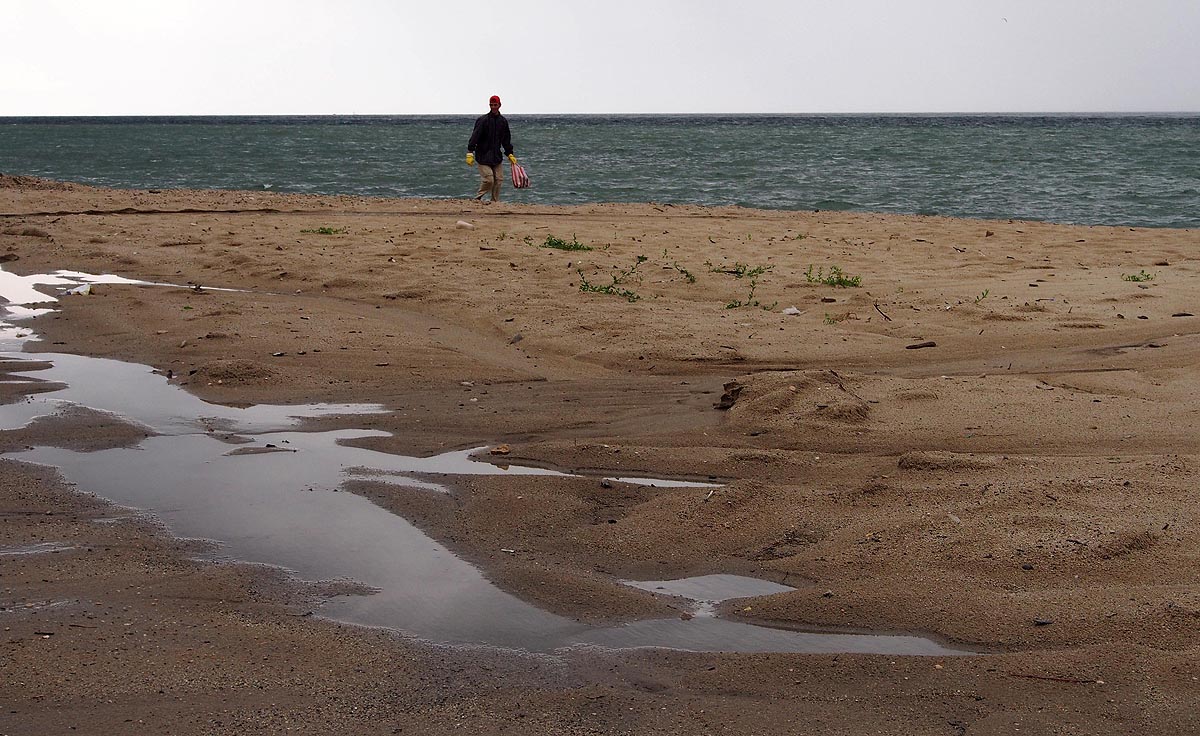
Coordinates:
490 135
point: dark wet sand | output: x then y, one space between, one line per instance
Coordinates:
1025 487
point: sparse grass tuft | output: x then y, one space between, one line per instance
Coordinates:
1141 276
326 231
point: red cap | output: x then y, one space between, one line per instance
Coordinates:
495 99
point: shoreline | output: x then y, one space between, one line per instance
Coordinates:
469 206
1033 465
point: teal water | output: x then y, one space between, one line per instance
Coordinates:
1114 170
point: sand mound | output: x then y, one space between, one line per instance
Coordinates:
944 461
236 372
802 396
7 181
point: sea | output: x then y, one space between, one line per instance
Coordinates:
1130 170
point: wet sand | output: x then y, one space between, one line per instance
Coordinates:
1023 487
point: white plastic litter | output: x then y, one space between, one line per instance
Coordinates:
792 311
464 225
83 290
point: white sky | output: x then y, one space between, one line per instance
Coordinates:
185 57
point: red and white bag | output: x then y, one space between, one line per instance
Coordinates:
520 179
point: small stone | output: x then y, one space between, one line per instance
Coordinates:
500 450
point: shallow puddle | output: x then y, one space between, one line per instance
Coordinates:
41 548
280 503
709 590
705 633
18 608
664 482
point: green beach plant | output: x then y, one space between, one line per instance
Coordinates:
1138 277
836 277
326 231
740 270
617 287
560 244
691 278
982 296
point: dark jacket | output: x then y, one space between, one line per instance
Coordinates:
490 135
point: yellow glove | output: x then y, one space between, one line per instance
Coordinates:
512 159
470 159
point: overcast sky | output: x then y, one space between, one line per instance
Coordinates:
179 57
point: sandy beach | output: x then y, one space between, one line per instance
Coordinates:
990 440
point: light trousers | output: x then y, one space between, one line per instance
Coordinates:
490 178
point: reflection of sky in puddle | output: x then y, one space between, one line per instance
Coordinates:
286 509
19 290
139 394
665 483
706 591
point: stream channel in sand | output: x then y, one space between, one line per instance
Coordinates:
268 495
